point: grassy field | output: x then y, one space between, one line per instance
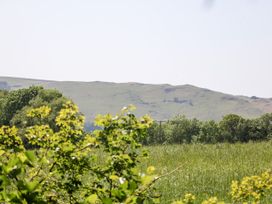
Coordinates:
207 170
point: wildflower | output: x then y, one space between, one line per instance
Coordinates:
122 180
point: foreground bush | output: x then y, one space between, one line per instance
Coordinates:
55 169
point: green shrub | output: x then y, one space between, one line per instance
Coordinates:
55 170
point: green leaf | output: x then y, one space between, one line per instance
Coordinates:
4 180
92 199
31 186
22 157
147 179
132 185
31 155
106 201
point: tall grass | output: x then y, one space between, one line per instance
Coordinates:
206 170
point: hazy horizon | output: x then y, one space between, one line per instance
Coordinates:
224 46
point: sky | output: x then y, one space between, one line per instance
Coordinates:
223 45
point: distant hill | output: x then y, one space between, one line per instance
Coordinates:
160 101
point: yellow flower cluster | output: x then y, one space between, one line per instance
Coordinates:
188 199
212 200
252 188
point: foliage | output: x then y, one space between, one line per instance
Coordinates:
119 139
212 200
9 139
55 170
156 134
176 131
3 93
232 128
252 188
209 132
15 101
183 130
188 199
16 104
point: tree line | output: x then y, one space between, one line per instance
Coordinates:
232 128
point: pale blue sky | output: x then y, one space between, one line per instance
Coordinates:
226 46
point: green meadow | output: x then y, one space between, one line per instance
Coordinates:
206 170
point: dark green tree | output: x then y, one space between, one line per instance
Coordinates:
14 101
14 105
209 132
182 130
233 128
156 134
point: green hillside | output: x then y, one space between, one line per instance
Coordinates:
160 101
